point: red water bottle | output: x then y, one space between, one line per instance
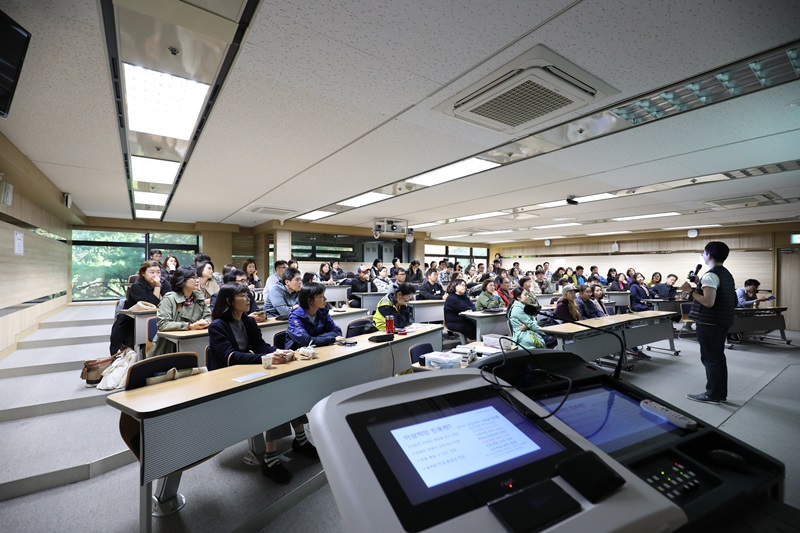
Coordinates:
390 324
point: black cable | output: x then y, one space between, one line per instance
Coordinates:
501 388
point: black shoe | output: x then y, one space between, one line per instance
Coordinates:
702 398
306 449
638 354
277 473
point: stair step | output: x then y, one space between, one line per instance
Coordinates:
82 312
44 394
62 336
32 361
107 322
57 449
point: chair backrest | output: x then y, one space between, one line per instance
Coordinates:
686 307
419 349
132 279
120 306
611 309
357 327
151 329
147 368
279 340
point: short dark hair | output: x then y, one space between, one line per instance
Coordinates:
583 287
308 277
523 280
200 266
750 282
593 277
399 270
375 262
449 265
155 251
481 265
202 258
231 275
539 272
517 292
579 267
279 263
227 268
289 274
591 268
451 287
180 276
414 262
248 262
404 289
308 292
222 306
431 271
486 283
718 250
672 276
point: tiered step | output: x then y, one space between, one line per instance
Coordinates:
46 411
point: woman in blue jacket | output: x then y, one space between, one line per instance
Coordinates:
310 324
639 292
235 339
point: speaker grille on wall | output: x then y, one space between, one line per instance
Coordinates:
6 193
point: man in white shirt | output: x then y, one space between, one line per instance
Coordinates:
276 277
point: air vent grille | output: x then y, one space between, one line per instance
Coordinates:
774 168
741 201
525 102
269 211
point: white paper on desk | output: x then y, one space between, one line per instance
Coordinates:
487 350
248 377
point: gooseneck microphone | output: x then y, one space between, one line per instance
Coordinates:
618 368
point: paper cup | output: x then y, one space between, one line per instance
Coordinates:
266 360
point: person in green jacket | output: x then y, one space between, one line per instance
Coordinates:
524 328
489 299
181 310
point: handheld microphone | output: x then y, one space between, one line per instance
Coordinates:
618 367
693 275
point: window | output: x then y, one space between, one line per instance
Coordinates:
461 254
103 261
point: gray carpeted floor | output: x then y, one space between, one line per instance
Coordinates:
224 495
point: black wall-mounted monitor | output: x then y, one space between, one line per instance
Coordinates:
14 40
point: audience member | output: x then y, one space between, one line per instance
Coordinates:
621 283
547 272
611 276
310 324
361 283
504 290
276 277
205 280
171 264
747 296
446 275
395 266
579 277
558 274
639 292
544 284
283 296
336 272
597 300
666 291
324 274
377 264
654 279
431 289
183 309
630 276
235 339
310 277
155 255
401 276
584 302
382 282
415 273
521 318
148 287
395 304
566 308
238 276
594 270
488 299
458 301
251 269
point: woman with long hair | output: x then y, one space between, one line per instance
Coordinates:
456 302
524 328
251 269
415 273
566 308
620 284
149 287
205 280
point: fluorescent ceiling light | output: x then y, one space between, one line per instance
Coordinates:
607 233
145 169
498 242
482 215
144 213
696 227
162 104
314 215
450 237
550 226
553 237
460 169
365 199
150 198
651 215
595 197
425 225
557 203
494 232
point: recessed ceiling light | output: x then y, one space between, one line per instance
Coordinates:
145 213
162 104
550 226
365 199
460 169
594 197
482 215
557 203
695 227
148 170
607 233
315 215
651 215
494 232
564 219
150 198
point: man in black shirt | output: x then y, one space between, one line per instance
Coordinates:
667 291
431 289
361 283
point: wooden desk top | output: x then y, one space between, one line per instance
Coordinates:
150 401
606 321
480 314
412 303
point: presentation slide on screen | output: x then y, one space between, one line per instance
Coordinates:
448 448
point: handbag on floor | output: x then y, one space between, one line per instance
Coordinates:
93 369
115 375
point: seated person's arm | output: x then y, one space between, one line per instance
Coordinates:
167 316
230 355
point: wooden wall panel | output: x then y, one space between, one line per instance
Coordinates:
14 324
43 269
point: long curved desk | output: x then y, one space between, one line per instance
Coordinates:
190 419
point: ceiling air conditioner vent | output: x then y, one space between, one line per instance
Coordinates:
741 201
536 87
277 212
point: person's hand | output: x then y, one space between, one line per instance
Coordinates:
339 338
763 299
280 357
687 287
157 282
200 324
251 287
259 316
523 327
